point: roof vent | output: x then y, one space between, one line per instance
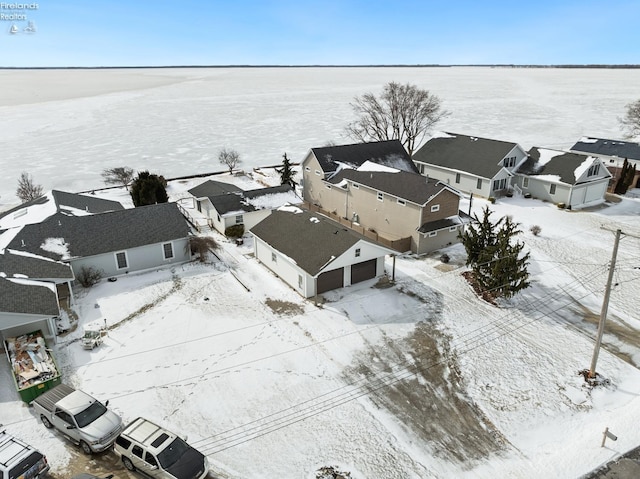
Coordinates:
22 243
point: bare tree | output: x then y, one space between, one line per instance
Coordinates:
201 246
631 120
401 112
27 189
230 158
120 175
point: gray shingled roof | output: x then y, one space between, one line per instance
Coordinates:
87 203
31 267
409 186
212 188
16 297
563 164
236 201
461 218
478 156
311 243
604 147
105 232
388 153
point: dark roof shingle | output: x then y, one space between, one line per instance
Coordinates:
604 147
388 153
478 156
12 264
213 188
309 239
105 232
27 298
412 187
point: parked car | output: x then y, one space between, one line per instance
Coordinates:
82 419
156 452
18 460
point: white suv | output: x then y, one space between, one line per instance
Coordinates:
19 460
156 452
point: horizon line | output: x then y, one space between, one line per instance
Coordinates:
399 65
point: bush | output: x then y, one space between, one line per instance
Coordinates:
535 229
527 195
492 200
445 258
88 276
561 206
235 231
201 246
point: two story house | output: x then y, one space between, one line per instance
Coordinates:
470 164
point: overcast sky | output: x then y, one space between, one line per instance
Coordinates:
330 32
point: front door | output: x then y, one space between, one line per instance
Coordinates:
63 421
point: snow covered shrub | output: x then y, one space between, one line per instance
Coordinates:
492 200
535 229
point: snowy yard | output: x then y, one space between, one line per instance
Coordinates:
413 379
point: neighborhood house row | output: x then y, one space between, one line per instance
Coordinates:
358 204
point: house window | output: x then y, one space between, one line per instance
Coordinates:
239 219
479 184
218 217
121 260
300 281
380 196
356 186
435 208
421 169
401 202
274 258
552 189
457 177
167 249
509 162
432 234
318 172
499 184
593 170
525 182
357 252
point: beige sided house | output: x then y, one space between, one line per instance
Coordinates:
375 187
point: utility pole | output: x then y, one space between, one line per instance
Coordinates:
605 307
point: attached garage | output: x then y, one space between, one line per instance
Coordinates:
329 280
363 271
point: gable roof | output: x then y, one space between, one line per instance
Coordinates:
318 240
213 188
81 236
412 187
31 266
252 200
388 153
53 202
471 154
603 147
566 166
28 297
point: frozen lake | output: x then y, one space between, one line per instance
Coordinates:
65 126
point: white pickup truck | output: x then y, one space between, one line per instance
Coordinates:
84 420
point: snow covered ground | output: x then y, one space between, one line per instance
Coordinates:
65 126
418 379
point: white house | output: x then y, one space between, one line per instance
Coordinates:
576 180
226 205
313 254
470 164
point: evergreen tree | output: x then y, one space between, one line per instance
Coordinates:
496 261
627 174
286 173
148 189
